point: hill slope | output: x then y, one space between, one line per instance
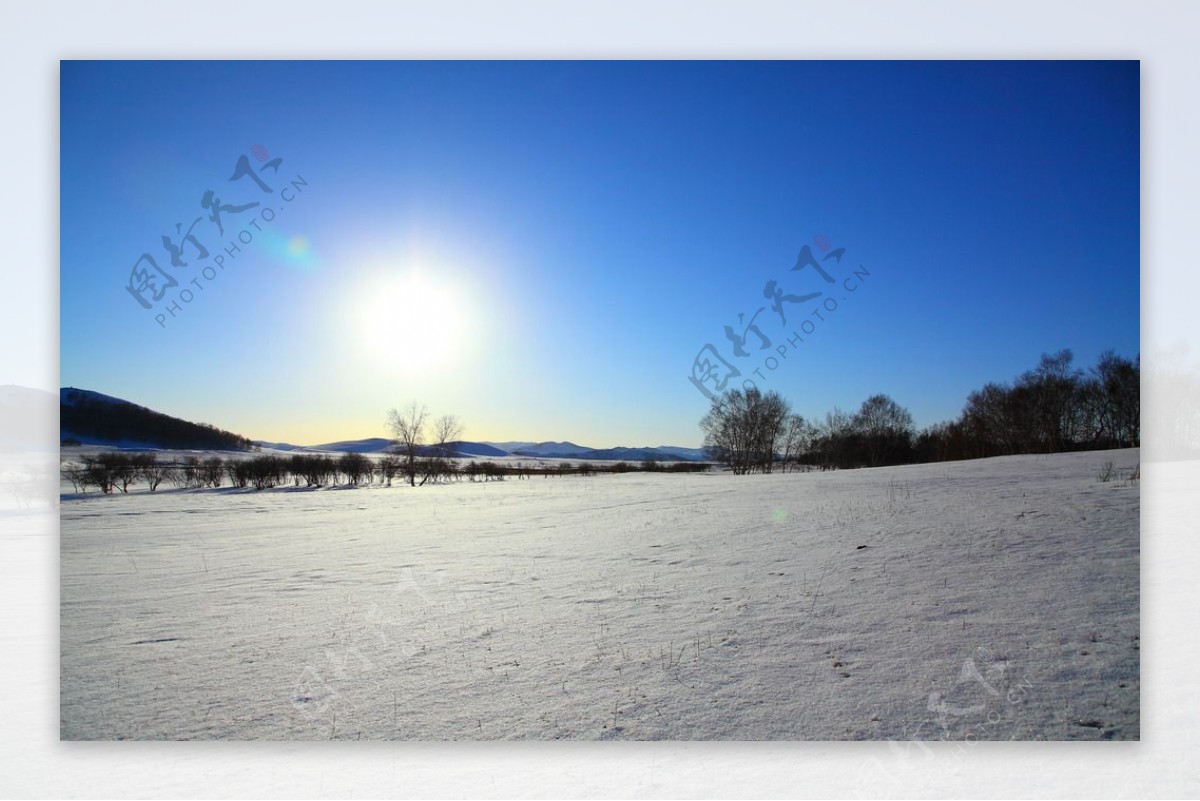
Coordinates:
95 419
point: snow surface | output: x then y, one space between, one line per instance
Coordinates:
992 599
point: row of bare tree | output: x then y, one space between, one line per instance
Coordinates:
114 471
1054 407
410 427
752 431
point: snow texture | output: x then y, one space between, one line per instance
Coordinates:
986 600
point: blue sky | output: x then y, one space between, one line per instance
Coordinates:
544 248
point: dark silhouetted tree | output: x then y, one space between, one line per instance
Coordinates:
744 429
885 431
408 429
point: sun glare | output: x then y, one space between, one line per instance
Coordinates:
414 321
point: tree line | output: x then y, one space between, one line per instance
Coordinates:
1051 408
114 471
422 452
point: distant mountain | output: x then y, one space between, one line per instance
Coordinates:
380 445
372 445
492 450
554 450
684 454
659 454
569 450
509 447
278 446
477 449
27 419
92 418
70 396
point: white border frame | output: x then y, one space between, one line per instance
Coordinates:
33 763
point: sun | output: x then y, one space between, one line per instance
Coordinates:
414 321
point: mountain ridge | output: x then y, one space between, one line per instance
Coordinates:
539 450
93 418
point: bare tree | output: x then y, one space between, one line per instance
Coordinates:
725 436
151 470
1052 408
745 429
77 475
1115 389
1054 391
798 436
355 467
188 475
389 466
317 471
211 470
99 474
446 430
886 430
408 428
238 472
995 417
830 439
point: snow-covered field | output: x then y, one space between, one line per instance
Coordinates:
994 599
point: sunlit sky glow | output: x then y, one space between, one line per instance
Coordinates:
543 248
